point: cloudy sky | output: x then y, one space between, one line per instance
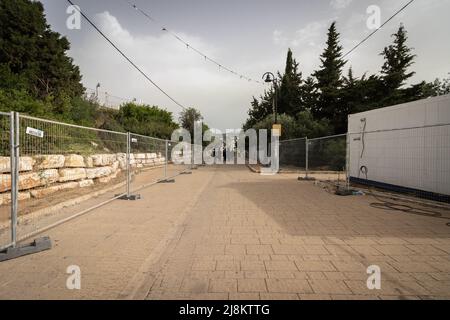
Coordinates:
249 36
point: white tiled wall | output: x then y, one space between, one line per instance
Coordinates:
415 158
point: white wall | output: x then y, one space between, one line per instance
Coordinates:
415 158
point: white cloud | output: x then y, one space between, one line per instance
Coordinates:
219 95
310 34
340 4
279 38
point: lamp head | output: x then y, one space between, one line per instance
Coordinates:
268 78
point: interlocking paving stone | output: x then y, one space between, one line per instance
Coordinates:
238 235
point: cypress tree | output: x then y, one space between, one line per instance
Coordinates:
329 80
398 58
289 98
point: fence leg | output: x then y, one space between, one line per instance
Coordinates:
14 178
167 159
348 163
128 165
307 159
38 245
306 177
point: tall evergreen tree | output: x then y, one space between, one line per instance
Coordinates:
289 97
309 94
329 80
398 58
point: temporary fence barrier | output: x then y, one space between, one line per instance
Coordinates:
52 172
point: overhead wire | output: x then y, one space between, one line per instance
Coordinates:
189 46
379 28
125 56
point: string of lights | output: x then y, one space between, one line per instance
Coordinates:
125 56
189 46
376 30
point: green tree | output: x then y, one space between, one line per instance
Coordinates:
146 120
289 95
439 87
398 58
33 57
309 94
307 126
329 81
188 118
260 110
304 125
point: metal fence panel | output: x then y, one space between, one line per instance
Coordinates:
66 170
293 155
5 180
328 153
176 152
327 158
148 161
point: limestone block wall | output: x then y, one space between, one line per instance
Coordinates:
43 175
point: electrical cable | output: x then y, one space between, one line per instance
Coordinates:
363 138
376 30
188 46
125 56
389 205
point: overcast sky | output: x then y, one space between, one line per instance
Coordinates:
249 36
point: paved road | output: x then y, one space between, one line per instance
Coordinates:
227 233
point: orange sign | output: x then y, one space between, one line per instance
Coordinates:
277 130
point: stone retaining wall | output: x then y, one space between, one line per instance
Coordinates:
44 175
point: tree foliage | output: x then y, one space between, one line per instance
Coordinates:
38 78
398 58
33 57
326 98
329 80
188 118
146 120
289 96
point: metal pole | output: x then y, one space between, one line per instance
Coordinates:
276 102
307 158
128 164
192 156
348 163
12 173
15 138
167 159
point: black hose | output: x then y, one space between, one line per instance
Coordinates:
387 205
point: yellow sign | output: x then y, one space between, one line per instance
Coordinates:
277 130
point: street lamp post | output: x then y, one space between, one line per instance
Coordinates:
269 77
96 90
